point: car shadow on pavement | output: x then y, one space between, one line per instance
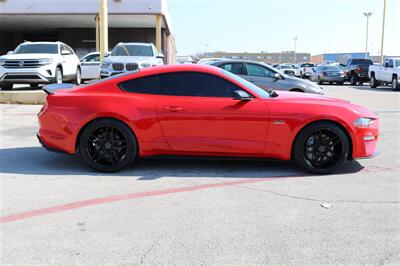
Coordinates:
38 161
368 88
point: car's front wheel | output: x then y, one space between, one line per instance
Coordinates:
108 145
373 83
78 76
59 76
353 79
395 84
321 148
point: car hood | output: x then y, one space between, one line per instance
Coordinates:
128 59
314 99
26 56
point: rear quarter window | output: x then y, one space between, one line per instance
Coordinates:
146 85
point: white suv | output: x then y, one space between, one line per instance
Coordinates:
130 57
37 63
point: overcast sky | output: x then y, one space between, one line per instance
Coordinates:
321 26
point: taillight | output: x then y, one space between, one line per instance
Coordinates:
358 69
324 74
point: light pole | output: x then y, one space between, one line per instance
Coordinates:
367 15
295 40
383 29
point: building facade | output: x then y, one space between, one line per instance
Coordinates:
270 58
337 57
74 22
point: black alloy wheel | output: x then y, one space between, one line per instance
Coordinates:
108 145
321 148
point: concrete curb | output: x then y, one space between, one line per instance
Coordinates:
22 97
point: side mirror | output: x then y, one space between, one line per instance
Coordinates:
241 96
160 55
10 52
277 76
387 65
65 52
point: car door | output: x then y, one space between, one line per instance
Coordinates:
261 76
90 66
68 61
198 114
387 72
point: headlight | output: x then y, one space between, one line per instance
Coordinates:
46 61
2 61
105 65
145 64
363 122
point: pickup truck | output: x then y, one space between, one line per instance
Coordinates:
356 70
389 73
37 63
304 70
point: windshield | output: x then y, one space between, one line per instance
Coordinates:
132 50
331 68
36 49
361 62
260 92
286 67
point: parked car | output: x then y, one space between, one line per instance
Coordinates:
304 70
328 73
90 66
200 110
130 57
356 70
267 77
287 69
389 73
37 63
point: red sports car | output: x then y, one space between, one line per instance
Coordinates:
198 110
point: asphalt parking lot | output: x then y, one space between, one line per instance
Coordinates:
188 212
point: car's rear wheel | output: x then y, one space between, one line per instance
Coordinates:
395 84
353 79
108 145
321 148
340 83
6 87
34 85
320 81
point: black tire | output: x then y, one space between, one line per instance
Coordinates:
78 76
33 85
340 83
319 81
373 83
395 84
353 79
6 87
321 148
108 145
59 76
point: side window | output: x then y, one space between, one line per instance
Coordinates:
146 85
65 49
259 71
93 58
235 68
70 49
195 84
390 63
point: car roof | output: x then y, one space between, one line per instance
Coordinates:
236 61
28 42
135 43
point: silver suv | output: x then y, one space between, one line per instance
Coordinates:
130 57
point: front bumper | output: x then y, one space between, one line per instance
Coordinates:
38 75
365 144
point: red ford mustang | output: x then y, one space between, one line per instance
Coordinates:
202 111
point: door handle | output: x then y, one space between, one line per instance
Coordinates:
172 108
